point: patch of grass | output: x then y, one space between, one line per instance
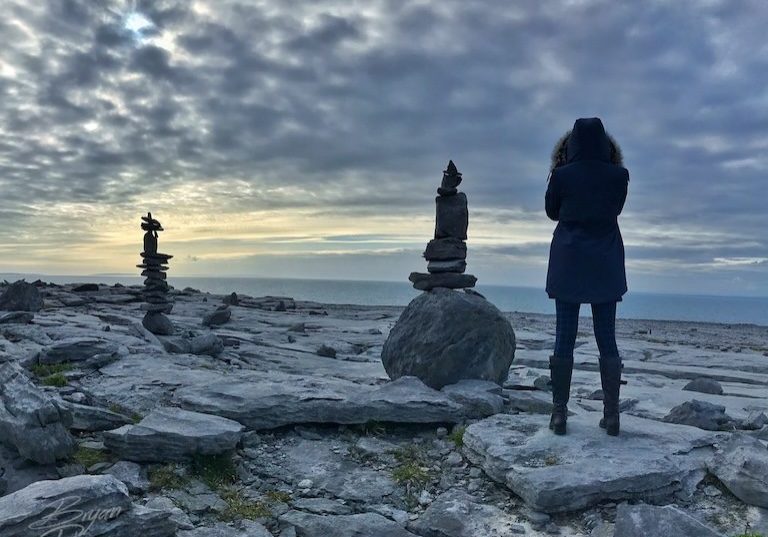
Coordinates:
457 435
216 471
411 475
88 457
372 428
165 477
278 496
411 471
46 370
57 379
239 507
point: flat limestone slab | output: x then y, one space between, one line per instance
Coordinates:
648 460
667 521
278 399
172 434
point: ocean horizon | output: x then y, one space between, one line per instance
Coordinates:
635 304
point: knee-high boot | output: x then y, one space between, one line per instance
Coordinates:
561 368
610 377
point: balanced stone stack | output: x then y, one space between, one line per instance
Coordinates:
446 335
154 270
446 254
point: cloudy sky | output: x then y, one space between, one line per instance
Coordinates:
307 138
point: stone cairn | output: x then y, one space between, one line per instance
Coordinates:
446 254
155 285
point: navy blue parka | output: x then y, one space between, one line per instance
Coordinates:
585 195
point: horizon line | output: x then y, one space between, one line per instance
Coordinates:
258 277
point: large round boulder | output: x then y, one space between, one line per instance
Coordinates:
444 336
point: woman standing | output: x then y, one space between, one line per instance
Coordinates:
586 193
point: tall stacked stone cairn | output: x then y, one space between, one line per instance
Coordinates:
446 335
446 254
154 270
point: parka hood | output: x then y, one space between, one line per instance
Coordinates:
587 140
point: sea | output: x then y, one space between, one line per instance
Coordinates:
635 305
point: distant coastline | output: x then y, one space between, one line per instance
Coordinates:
636 305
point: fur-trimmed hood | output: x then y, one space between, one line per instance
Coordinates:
560 157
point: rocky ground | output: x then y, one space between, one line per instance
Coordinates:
274 417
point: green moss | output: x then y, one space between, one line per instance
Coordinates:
239 507
166 477
46 370
88 457
216 471
457 435
57 379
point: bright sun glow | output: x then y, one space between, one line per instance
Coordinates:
136 22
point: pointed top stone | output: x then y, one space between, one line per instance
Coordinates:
451 179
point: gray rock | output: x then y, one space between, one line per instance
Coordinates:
86 288
209 344
164 504
31 421
667 521
80 351
755 421
701 414
445 249
198 504
451 265
529 401
21 296
543 383
457 514
452 217
91 418
449 280
327 351
247 528
328 472
478 397
176 344
704 385
157 323
741 464
217 317
444 336
358 525
231 299
132 474
95 505
321 506
172 434
20 317
648 460
275 399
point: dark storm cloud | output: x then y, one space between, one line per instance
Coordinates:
314 95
